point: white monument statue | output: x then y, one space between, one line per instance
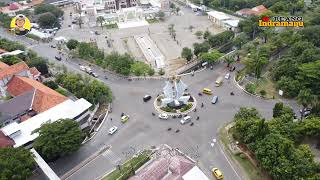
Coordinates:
174 93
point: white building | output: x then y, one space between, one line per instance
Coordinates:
224 20
23 133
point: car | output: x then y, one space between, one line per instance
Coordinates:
125 118
58 58
227 76
163 116
214 100
146 98
82 68
112 130
217 173
53 46
94 74
185 120
96 33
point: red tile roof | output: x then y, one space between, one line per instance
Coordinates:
34 71
3 65
13 6
5 141
14 69
258 10
44 97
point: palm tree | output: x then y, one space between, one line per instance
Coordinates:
256 62
79 21
305 97
101 20
266 33
229 60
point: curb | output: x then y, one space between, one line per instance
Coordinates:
157 108
241 88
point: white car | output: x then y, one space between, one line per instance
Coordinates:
94 74
82 68
227 76
185 120
112 130
163 116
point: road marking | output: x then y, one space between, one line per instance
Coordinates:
228 161
111 156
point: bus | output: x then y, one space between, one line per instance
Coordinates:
219 81
207 91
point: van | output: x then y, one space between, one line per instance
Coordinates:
219 81
185 120
214 100
206 91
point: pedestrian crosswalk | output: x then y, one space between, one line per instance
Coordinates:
111 156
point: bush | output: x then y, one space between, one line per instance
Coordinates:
251 88
161 72
62 91
186 107
242 156
263 92
151 72
168 109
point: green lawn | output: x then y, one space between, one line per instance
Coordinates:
251 171
126 169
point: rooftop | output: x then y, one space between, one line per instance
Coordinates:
219 15
13 69
258 10
5 141
44 98
67 109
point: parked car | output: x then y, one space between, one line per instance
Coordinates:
185 120
53 46
124 118
217 173
227 76
146 98
96 33
82 68
112 130
163 116
58 58
214 100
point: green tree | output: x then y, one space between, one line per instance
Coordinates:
47 20
161 15
101 20
79 21
206 34
198 34
44 8
151 72
211 57
200 48
16 163
161 72
266 33
39 63
139 68
67 138
186 53
305 97
255 63
51 84
96 92
240 39
250 26
5 20
72 44
309 75
229 60
280 109
289 86
221 38
10 60
246 113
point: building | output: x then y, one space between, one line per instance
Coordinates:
256 11
105 6
224 20
13 7
32 104
171 164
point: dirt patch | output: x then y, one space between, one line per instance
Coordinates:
175 64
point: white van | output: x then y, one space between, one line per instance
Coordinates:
185 120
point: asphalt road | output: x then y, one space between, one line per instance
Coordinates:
144 130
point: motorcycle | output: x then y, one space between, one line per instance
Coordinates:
232 94
153 114
200 94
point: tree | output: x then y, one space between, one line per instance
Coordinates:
171 28
280 109
151 72
255 63
101 20
161 72
172 5
16 163
67 138
240 39
311 34
200 48
309 75
305 97
221 38
51 84
289 86
5 20
266 33
250 26
47 20
161 15
44 8
186 53
79 21
139 68
96 92
177 9
39 63
206 34
246 113
229 60
198 34
72 44
211 57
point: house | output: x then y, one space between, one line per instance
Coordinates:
224 20
256 11
14 7
175 166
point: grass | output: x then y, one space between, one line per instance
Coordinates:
251 171
266 84
153 20
111 26
126 168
